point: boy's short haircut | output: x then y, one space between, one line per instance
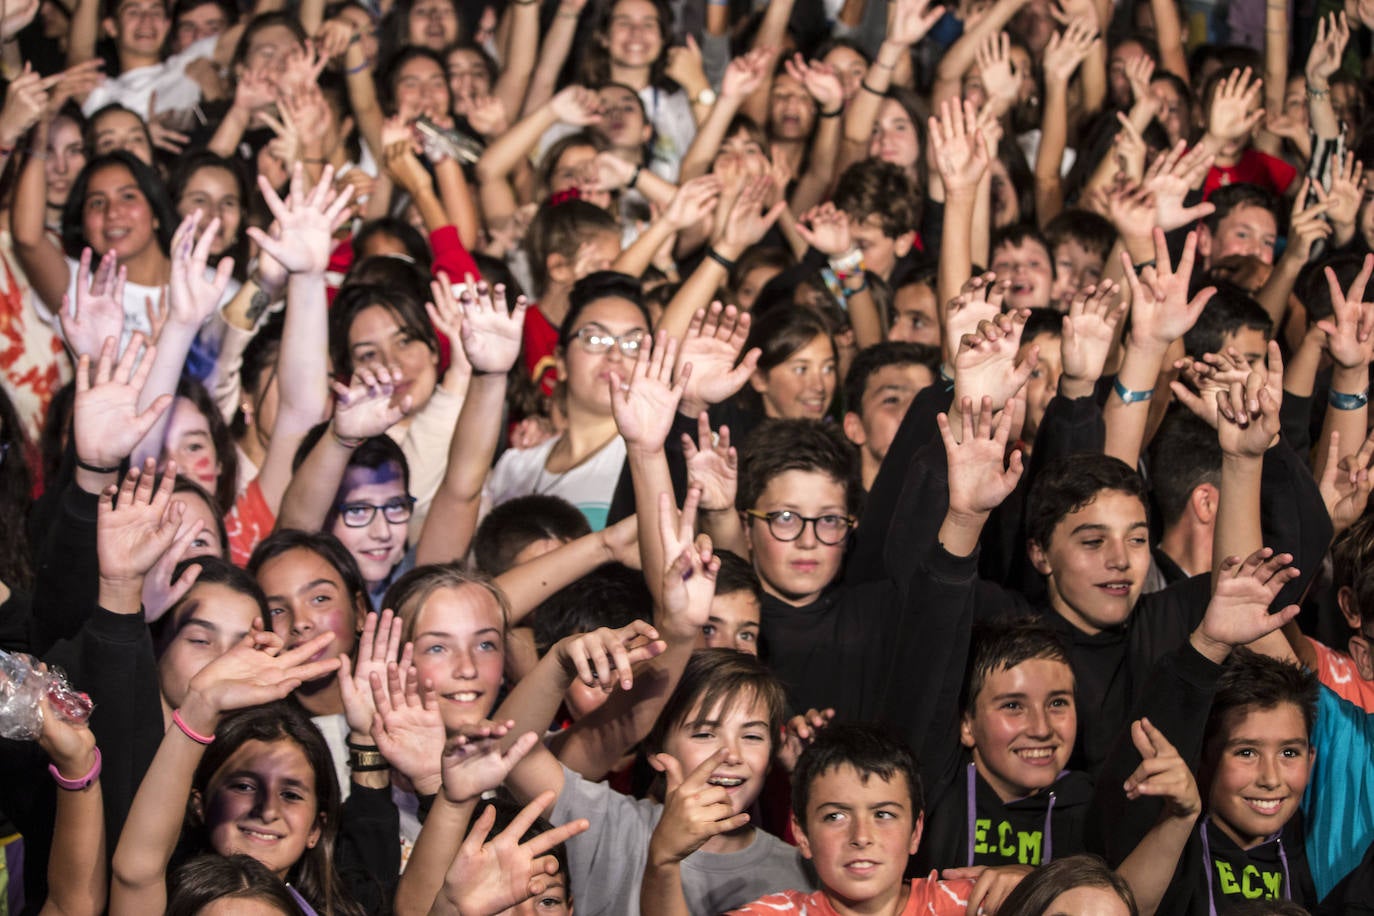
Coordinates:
561 230
873 187
1067 484
713 681
869 749
1233 196
515 525
1230 310
737 575
1314 292
879 356
611 596
777 446
1017 235
1352 564
603 284
1184 455
1095 233
756 257
1042 321
1002 644
1251 681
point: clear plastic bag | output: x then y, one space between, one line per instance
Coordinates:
23 684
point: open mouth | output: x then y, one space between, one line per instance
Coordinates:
260 836
462 696
1266 806
726 782
1116 589
1035 756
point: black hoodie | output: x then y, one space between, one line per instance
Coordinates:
1215 875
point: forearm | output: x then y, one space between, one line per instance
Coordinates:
1238 528
725 531
696 292
956 258
85 29
173 344
960 56
863 109
1093 81
1276 290
864 317
310 495
960 531
77 879
1149 869
1169 34
1275 53
1320 111
820 171
230 132
709 136
637 258
457 200
302 364
362 96
435 848
1054 133
1352 425
522 50
504 154
650 478
660 893
1126 423
772 33
558 42
527 586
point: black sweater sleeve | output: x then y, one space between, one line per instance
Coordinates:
367 851
1293 517
66 580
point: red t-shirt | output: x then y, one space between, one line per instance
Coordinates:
248 523
540 345
928 897
1254 167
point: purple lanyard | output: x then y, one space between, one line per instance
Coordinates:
1046 856
306 908
1207 865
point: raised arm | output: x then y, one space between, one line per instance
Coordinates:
823 85
1165 775
1323 61
522 50
690 205
39 256
908 21
961 155
78 881
1066 51
955 62
553 54
743 75
772 34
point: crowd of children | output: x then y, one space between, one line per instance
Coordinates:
687 457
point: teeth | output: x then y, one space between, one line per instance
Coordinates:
727 782
464 696
1036 753
1267 805
259 834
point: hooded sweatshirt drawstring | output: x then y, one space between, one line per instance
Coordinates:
1207 865
1047 854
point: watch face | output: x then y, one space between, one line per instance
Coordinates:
706 97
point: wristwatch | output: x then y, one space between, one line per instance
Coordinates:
706 96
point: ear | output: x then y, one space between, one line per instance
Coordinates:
1204 501
1204 241
759 381
196 805
1361 655
560 365
315 833
111 27
1345 600
1039 559
966 730
902 246
916 831
559 269
799 834
854 428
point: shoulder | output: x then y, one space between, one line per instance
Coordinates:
932 895
800 902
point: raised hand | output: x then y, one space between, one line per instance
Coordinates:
689 581
1238 613
979 300
1230 117
496 875
820 81
826 229
355 678
254 672
406 169
26 100
1328 48
1170 177
106 421
960 151
684 64
1346 482
408 728
798 734
713 467
1067 49
1001 81
694 811
694 202
745 74
1163 773
576 105
191 298
981 476
487 115
1350 330
1214 373
160 591
255 89
473 763
604 657
98 312
986 366
644 405
1344 198
1089 329
1140 71
908 21
70 745
304 64
134 531
746 221
1161 311
491 332
712 349
1307 224
308 219
1248 416
365 408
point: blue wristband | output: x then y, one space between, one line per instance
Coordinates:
1348 401
1127 395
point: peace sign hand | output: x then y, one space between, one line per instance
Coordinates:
1162 773
694 810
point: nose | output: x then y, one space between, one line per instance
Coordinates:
378 529
807 538
1118 557
464 666
266 806
860 832
1269 772
1037 722
299 624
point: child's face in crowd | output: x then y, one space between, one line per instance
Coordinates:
1122 55
1246 230
1088 901
917 318
1044 380
741 726
791 110
740 154
1022 727
467 78
204 21
1075 268
859 832
886 397
588 374
1261 772
116 216
1295 99
633 35
572 170
850 67
376 339
1025 267
797 570
139 27
752 284
894 137
880 250
1006 207
732 624
1174 110
460 641
66 158
1096 561
622 118
214 192
189 443
1250 343
207 542
210 621
433 24
261 803
380 544
422 87
306 596
555 901
269 47
802 386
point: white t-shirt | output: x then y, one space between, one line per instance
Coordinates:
589 486
134 88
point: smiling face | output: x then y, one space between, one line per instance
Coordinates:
796 571
433 24
467 78
633 35
380 544
1096 561
1246 230
894 137
422 89
66 157
588 374
116 216
460 641
262 803
1022 726
306 596
376 338
208 622
1026 267
740 725
733 623
189 443
198 23
860 830
139 27
802 386
1261 773
214 192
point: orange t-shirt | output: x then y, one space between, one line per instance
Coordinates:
928 897
248 523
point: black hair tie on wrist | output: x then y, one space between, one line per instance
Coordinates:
95 468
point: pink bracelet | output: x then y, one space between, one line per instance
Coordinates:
76 785
186 729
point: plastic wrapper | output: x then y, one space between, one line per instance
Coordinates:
23 685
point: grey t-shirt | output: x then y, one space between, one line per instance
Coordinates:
607 862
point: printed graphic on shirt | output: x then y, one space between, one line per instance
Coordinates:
1004 843
1249 882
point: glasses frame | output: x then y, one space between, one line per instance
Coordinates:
813 521
619 340
408 503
